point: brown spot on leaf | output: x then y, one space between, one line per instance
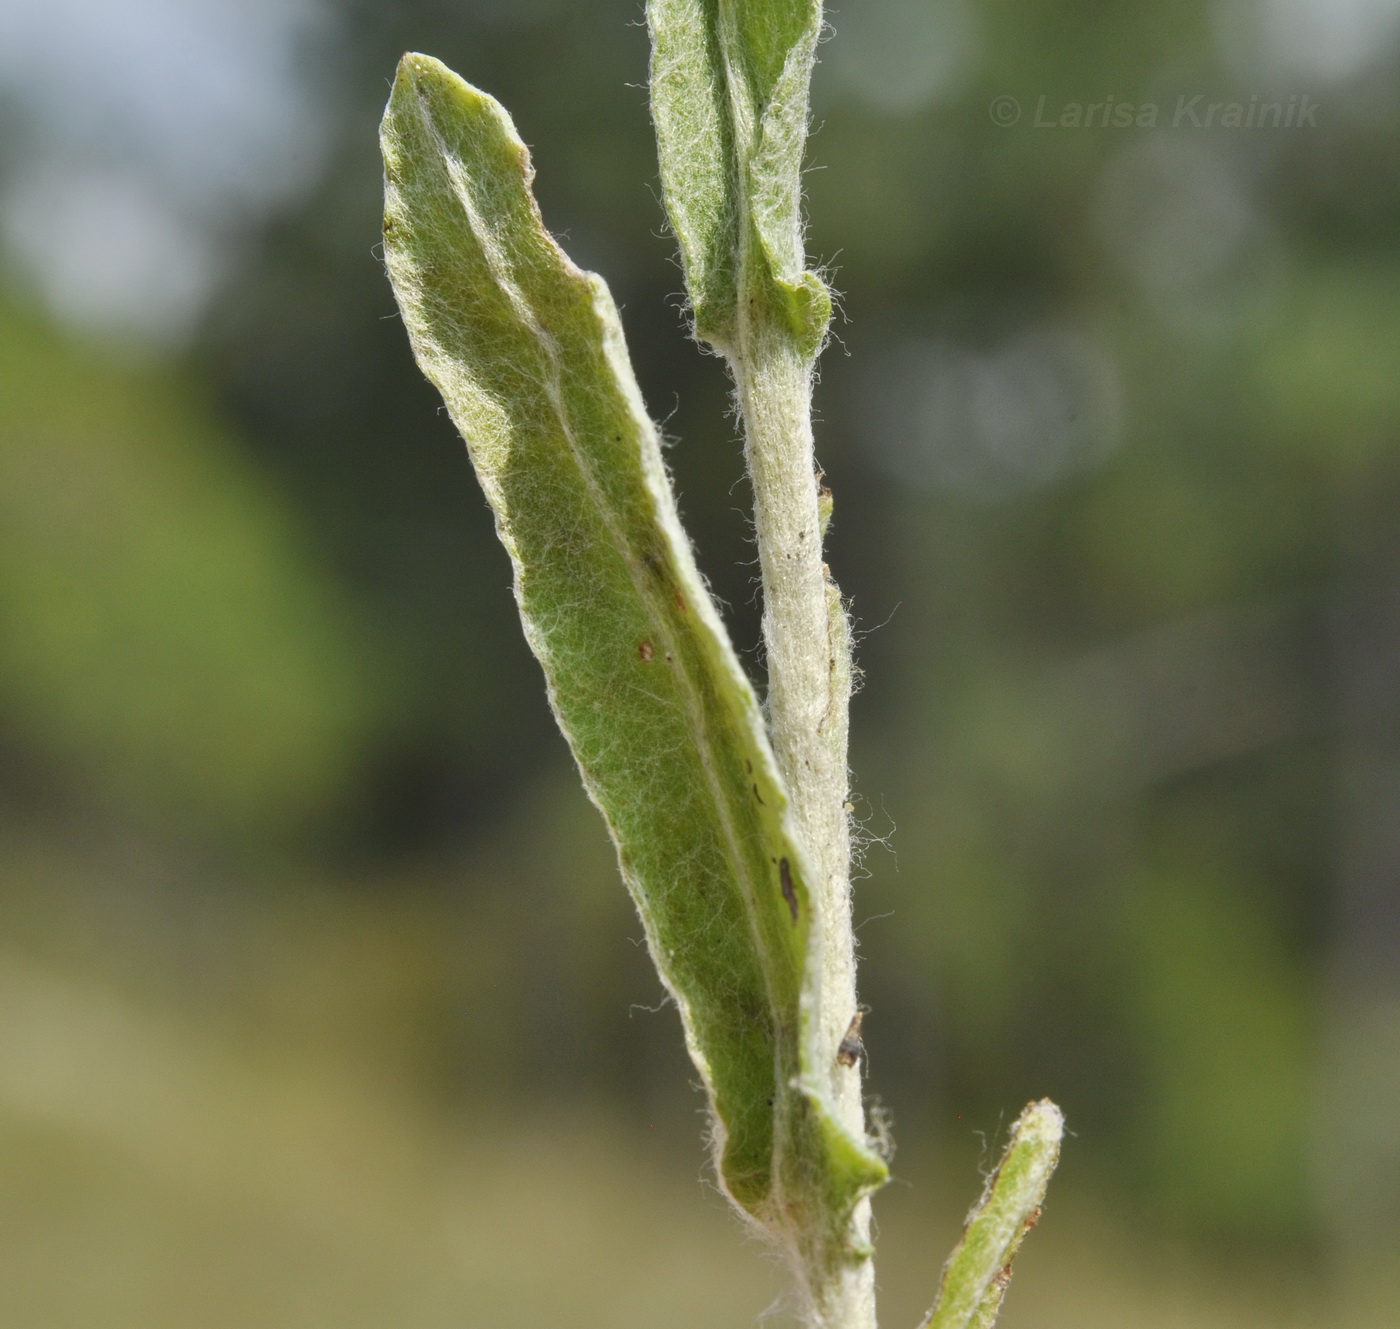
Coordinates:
680 601
789 890
645 650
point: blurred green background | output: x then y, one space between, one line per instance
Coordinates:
320 1001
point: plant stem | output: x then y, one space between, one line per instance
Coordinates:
808 672
809 684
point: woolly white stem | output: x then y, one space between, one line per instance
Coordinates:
809 684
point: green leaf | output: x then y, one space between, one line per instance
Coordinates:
978 1271
528 354
690 108
729 95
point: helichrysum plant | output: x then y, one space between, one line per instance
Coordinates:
730 818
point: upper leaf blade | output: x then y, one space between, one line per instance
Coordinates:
691 108
729 95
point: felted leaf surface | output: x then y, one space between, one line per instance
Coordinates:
729 82
528 353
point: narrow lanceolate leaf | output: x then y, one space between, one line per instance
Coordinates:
729 95
979 1269
528 354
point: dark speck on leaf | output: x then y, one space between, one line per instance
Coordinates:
789 890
